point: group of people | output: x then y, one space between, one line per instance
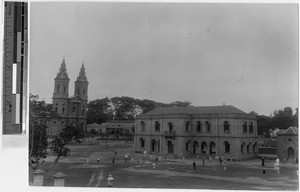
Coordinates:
276 165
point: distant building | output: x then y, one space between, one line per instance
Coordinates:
287 144
113 127
188 131
98 128
71 109
119 126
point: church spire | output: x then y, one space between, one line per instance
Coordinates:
82 77
62 74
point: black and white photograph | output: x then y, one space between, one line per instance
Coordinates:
163 95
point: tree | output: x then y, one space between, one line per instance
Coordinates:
59 144
99 111
125 107
40 114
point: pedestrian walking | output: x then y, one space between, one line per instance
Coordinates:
220 161
264 171
156 159
125 157
278 170
225 162
262 161
153 165
98 160
194 165
113 160
87 161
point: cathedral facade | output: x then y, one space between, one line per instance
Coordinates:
190 131
73 109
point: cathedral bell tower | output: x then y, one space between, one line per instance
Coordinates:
61 85
81 85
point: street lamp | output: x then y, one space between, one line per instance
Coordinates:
109 180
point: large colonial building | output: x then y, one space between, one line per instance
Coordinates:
188 131
71 109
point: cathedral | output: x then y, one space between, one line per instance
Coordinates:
73 109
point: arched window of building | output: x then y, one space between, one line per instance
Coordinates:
248 147
187 126
242 148
142 142
65 89
56 110
207 126
227 147
199 126
157 126
187 145
251 127
245 127
254 148
170 126
78 91
57 89
73 109
226 127
143 126
63 110
83 91
82 111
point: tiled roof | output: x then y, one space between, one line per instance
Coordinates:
224 109
288 131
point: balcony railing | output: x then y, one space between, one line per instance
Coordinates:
169 133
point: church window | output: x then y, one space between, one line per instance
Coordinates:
83 91
82 111
73 109
207 126
245 127
290 140
55 109
78 91
65 89
226 127
63 110
251 127
199 126
57 88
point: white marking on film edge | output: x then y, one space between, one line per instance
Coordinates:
17 119
14 78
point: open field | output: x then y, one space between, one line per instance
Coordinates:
170 173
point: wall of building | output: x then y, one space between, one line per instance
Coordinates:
235 137
284 142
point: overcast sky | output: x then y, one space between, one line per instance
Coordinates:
245 55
